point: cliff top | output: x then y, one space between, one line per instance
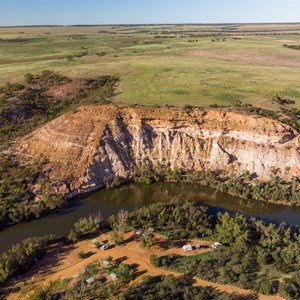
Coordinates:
117 137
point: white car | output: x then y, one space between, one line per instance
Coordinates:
217 245
105 246
187 248
139 232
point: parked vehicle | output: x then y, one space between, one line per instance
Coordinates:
105 246
217 245
187 248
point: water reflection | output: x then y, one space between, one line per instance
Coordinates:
141 194
132 196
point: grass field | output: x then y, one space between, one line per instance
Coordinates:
165 64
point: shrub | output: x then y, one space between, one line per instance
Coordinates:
117 238
85 226
125 272
84 255
290 287
269 287
147 241
153 260
23 255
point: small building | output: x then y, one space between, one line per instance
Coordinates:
90 280
187 248
113 276
105 263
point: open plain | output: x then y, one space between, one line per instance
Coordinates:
165 64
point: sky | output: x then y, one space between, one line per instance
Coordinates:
75 12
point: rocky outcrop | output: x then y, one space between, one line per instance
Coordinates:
85 149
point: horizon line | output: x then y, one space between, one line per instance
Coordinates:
148 24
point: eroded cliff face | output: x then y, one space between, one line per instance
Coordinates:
84 150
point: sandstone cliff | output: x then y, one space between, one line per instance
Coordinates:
85 149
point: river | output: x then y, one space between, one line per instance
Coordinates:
110 201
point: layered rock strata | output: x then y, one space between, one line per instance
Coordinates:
84 150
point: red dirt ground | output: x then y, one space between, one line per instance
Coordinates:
62 261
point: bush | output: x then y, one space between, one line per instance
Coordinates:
147 241
85 226
84 255
153 260
176 219
23 255
117 238
290 287
125 272
269 287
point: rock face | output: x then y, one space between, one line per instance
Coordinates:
85 149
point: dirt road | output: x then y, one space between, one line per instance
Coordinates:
63 262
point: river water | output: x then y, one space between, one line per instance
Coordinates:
110 201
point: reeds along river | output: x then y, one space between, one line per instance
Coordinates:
110 201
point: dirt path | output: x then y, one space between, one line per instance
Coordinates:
63 262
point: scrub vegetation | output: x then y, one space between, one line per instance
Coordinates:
169 288
255 255
258 256
276 190
23 255
18 202
45 96
23 107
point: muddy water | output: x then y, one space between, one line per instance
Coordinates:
134 196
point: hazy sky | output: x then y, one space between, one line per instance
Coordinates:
37 12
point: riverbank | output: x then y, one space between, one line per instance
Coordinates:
130 197
255 255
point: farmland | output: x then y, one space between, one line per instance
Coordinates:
165 64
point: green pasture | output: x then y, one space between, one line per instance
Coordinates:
162 64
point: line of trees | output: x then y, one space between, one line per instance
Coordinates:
23 255
296 47
169 288
275 190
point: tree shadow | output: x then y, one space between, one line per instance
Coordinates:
132 238
134 266
47 265
6 291
168 244
120 259
52 259
180 244
252 296
139 273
